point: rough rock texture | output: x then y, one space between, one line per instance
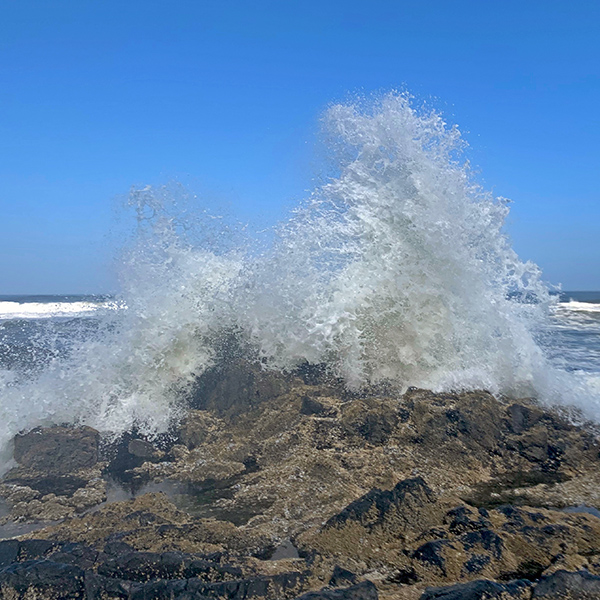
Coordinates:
59 474
57 449
276 486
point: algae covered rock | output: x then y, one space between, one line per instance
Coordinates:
275 486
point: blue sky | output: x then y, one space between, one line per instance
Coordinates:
99 95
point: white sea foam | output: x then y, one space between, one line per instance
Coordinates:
573 305
47 310
397 269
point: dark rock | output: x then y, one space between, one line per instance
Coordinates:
405 501
117 548
476 563
522 417
157 590
61 485
480 590
30 549
564 585
235 387
141 449
432 553
57 449
100 588
527 569
48 579
283 585
9 550
474 419
75 554
375 422
485 539
462 519
342 577
310 406
144 566
365 590
123 462
404 577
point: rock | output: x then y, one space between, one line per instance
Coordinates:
144 566
9 550
236 387
42 579
464 518
405 506
34 549
522 417
365 590
417 490
57 449
341 577
310 406
563 585
142 449
481 590
374 421
197 427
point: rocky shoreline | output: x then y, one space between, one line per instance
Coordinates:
282 487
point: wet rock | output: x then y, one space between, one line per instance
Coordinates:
32 549
523 417
563 585
473 419
57 449
433 554
142 449
197 428
144 566
42 579
365 590
481 590
9 550
412 490
236 387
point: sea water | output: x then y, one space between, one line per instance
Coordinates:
396 269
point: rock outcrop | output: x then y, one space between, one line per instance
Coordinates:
286 486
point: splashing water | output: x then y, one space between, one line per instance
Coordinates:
396 270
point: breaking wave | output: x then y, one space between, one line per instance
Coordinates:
49 310
396 270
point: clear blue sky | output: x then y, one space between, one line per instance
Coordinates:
97 95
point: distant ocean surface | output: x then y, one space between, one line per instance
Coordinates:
36 329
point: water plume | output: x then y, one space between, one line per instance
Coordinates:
397 270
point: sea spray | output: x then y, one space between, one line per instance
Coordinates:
396 270
133 371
